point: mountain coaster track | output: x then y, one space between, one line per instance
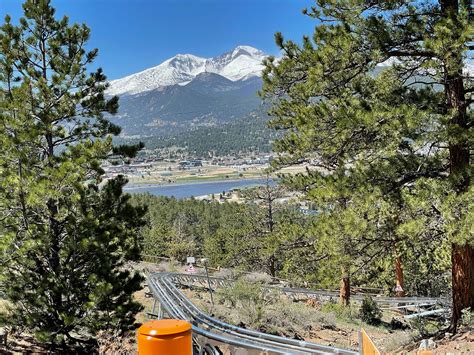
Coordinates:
212 336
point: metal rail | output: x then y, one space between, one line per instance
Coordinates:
218 335
201 280
212 336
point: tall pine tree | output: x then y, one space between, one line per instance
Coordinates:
65 234
382 89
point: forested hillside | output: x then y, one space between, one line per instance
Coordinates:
300 248
247 134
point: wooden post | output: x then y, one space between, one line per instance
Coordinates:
400 287
345 288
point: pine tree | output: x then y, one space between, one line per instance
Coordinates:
266 221
381 89
65 234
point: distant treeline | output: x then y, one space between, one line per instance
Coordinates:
248 134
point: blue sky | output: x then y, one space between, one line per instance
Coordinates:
133 35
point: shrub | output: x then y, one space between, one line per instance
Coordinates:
339 311
287 318
370 312
225 274
258 277
249 298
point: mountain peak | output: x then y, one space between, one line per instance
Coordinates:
241 63
247 50
185 57
186 62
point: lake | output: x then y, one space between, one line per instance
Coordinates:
193 189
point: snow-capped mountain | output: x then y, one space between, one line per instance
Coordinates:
239 64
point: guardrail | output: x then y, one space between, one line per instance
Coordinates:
212 336
201 281
275 280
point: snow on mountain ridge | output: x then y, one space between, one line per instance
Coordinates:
239 64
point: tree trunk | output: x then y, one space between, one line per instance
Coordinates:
462 256
55 235
463 281
400 286
345 289
459 159
271 266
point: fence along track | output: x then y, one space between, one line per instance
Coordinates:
416 306
201 280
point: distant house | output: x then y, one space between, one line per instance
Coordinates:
187 164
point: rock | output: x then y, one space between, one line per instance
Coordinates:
396 324
297 337
448 335
427 344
